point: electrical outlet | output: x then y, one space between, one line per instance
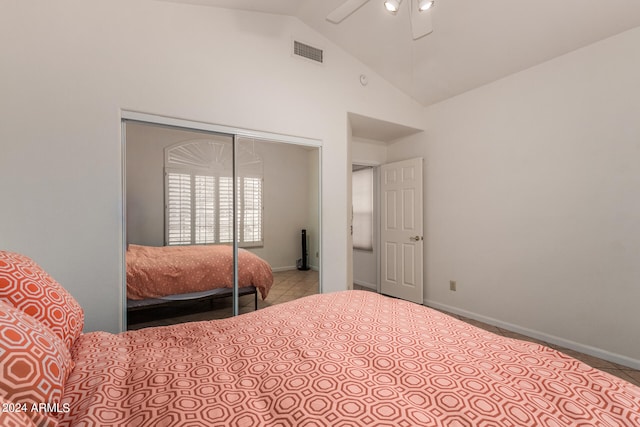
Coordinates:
452 285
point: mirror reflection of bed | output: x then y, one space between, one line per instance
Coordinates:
179 223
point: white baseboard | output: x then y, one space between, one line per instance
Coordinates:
551 339
292 267
287 268
366 284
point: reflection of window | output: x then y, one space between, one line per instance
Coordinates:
199 196
200 209
251 219
362 193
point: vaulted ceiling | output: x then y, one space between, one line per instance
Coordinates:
473 43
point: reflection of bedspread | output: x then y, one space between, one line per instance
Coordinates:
349 358
154 272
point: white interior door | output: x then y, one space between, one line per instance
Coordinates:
401 235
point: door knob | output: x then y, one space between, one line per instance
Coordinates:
415 238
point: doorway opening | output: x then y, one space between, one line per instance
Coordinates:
393 263
365 226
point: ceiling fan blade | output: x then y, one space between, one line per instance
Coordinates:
420 21
340 13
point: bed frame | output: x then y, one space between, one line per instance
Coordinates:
138 305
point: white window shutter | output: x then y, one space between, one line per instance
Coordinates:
225 209
252 210
362 194
199 195
178 188
205 209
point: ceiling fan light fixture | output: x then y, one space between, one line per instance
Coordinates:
392 5
424 5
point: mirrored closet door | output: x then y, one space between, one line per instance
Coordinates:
214 223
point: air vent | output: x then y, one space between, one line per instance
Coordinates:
306 51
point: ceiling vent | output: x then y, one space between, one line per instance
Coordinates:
308 52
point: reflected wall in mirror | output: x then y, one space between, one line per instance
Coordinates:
179 199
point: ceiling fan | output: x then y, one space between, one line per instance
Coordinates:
420 21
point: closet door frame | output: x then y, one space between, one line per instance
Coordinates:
234 133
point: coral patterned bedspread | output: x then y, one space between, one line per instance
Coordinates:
154 272
350 358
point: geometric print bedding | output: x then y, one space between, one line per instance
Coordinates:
25 285
158 271
9 417
34 365
343 359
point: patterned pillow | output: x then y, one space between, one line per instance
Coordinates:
24 285
11 415
34 363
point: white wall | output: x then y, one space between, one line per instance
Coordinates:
531 200
368 151
68 69
287 199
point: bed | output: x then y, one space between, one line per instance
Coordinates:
351 358
163 275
